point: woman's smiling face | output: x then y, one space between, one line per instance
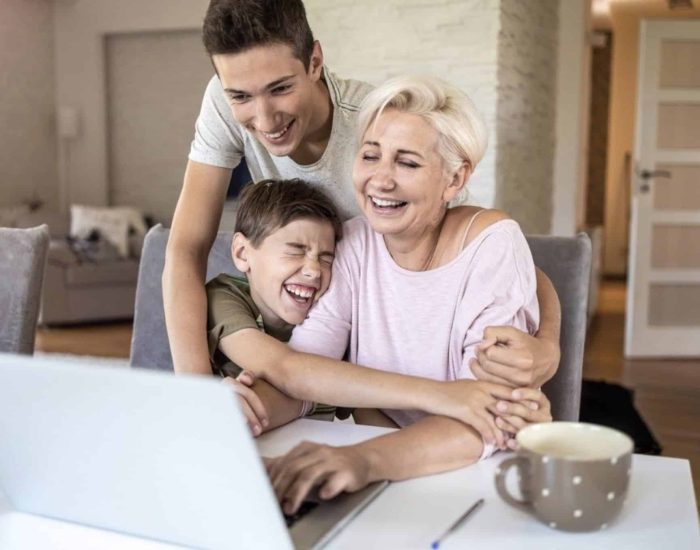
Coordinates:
400 182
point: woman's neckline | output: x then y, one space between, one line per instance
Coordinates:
384 251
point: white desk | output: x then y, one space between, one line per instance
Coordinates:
20 531
660 511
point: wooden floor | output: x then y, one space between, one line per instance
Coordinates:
667 393
103 340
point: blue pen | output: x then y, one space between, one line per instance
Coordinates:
473 508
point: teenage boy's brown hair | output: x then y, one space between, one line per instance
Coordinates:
267 205
232 26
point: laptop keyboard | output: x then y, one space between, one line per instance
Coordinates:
304 509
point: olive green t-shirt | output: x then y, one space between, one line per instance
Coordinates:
230 309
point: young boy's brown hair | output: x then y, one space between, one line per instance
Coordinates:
270 204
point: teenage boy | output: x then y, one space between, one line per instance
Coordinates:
273 102
284 243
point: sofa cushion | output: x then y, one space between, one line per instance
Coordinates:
60 253
114 223
119 272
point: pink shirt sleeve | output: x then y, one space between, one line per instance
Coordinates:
503 291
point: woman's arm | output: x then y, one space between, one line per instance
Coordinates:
513 357
431 445
434 444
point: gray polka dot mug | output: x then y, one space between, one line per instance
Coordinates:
572 476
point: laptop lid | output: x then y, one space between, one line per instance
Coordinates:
140 452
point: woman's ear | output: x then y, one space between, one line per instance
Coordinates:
240 246
457 183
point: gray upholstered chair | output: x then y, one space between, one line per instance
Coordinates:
565 260
22 262
149 343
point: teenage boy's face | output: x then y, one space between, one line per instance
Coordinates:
271 94
289 270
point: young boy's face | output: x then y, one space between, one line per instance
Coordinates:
271 94
289 270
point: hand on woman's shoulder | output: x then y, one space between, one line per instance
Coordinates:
470 221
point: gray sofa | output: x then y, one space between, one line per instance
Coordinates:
81 292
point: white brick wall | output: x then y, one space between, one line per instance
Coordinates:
455 39
501 52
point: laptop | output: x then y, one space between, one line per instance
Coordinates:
148 454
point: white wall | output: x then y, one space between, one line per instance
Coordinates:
27 142
80 30
155 82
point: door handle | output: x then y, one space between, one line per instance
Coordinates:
649 174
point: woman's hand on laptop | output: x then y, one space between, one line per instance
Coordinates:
252 406
310 466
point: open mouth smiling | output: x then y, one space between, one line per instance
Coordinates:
386 204
301 294
277 136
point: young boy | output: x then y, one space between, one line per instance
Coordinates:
284 244
273 102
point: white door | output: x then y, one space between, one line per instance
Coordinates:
663 301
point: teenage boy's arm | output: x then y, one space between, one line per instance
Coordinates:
193 231
513 357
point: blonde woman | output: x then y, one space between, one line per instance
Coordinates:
414 286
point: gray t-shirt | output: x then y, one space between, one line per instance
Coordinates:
220 141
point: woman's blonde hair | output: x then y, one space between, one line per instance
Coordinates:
462 131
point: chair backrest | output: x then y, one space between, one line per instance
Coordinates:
149 343
22 262
567 262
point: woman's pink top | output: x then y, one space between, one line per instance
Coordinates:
422 323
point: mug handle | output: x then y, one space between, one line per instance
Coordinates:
503 468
